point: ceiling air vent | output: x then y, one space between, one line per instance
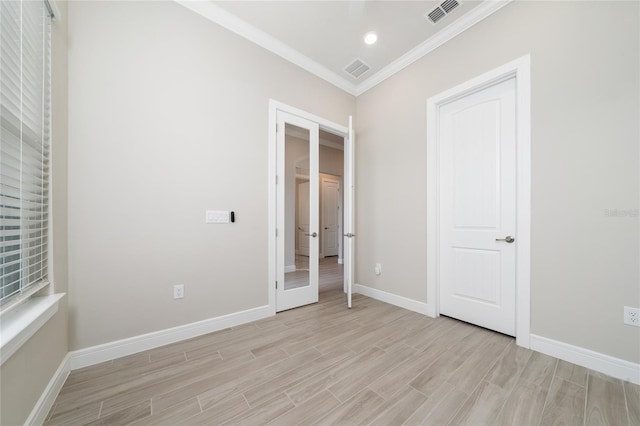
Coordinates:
357 68
442 10
436 14
449 5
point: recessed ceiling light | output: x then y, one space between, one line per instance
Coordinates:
371 37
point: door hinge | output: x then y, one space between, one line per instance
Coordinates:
276 232
276 285
276 179
277 128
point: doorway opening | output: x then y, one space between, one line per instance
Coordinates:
311 220
297 210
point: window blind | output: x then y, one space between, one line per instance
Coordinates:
24 138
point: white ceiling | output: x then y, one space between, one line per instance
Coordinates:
325 36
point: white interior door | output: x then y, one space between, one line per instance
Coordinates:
349 212
477 208
329 218
296 286
303 216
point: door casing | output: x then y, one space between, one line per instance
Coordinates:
327 125
520 69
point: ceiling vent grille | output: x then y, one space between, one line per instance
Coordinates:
442 10
449 5
356 68
436 14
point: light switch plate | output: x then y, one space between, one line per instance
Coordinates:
217 216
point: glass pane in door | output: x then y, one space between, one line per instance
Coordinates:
297 207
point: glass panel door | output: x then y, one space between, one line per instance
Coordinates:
297 193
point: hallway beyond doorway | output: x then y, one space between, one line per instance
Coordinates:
330 271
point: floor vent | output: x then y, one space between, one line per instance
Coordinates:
442 10
356 68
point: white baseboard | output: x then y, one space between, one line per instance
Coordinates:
340 261
606 364
611 366
289 268
393 299
119 348
45 402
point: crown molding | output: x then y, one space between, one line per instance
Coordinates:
236 25
227 20
466 21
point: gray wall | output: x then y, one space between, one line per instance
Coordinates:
168 118
26 374
585 161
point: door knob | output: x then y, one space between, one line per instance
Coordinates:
315 234
349 235
326 227
508 239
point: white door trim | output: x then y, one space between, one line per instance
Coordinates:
521 70
329 126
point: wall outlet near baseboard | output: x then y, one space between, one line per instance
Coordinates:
378 269
178 291
632 316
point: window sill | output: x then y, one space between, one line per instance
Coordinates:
22 322
22 297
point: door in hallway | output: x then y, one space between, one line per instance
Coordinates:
329 218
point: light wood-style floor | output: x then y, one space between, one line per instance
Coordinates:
330 274
325 364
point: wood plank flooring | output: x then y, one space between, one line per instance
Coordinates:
324 364
329 271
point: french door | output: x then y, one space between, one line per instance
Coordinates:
295 206
349 213
297 242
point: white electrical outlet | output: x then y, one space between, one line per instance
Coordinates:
378 269
632 316
178 291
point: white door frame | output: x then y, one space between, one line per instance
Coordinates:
521 70
329 126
